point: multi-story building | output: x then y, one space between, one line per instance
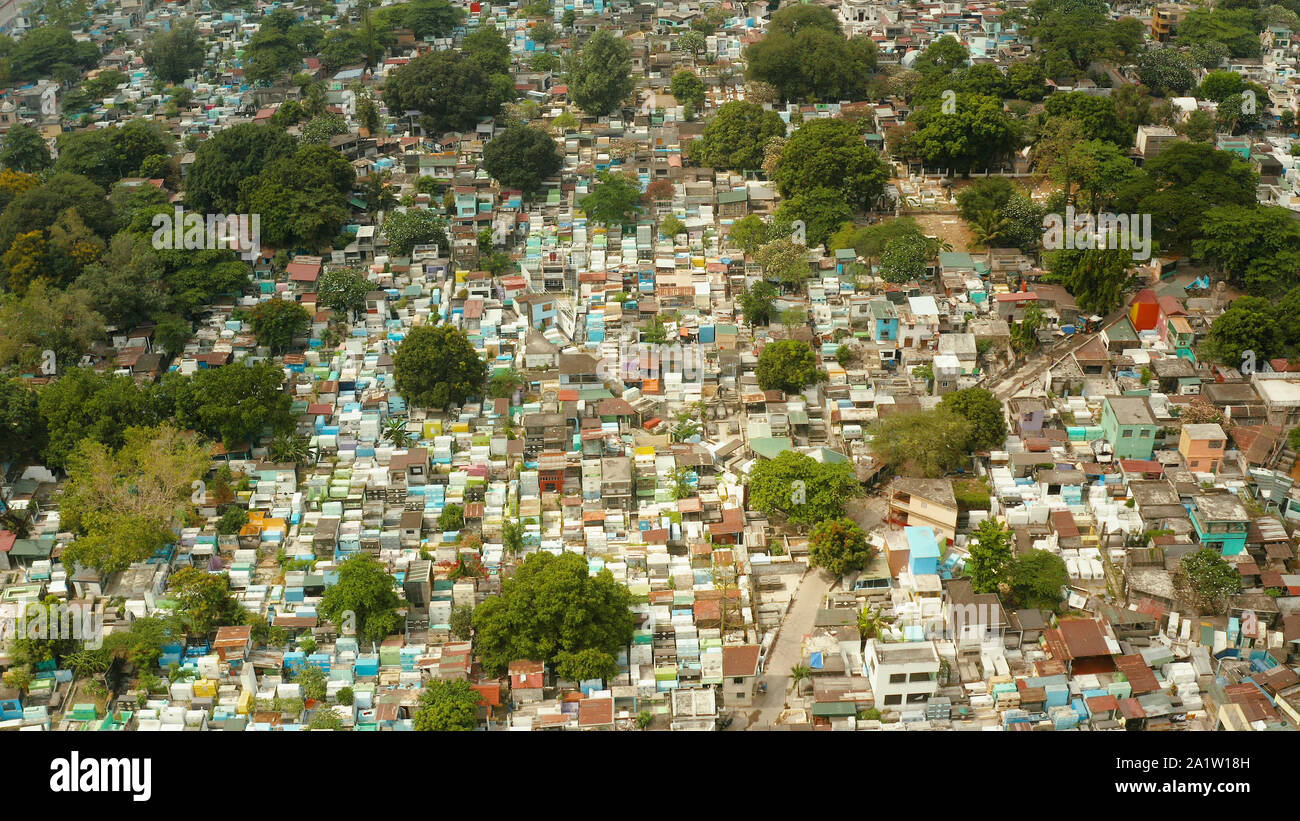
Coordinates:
902 674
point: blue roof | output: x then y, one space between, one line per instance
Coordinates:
921 543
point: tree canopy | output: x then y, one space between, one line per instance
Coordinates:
800 488
552 605
436 367
522 157
600 76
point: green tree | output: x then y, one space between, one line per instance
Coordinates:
364 597
226 159
800 488
447 706
414 226
1095 278
204 600
984 411
552 604
839 546
613 200
512 537
175 55
277 322
522 157
750 233
804 56
991 558
22 430
822 210
784 261
436 367
757 303
1245 241
82 404
922 443
451 518
788 365
600 78
462 622
831 154
1037 579
233 404
1166 70
585 665
687 88
905 257
344 290
451 92
736 136
1249 325
25 149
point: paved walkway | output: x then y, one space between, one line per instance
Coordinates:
786 652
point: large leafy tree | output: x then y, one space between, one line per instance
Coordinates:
736 136
46 319
363 597
82 404
1182 184
1211 578
1166 70
922 443
1094 277
277 322
822 210
175 54
1037 580
226 159
1258 247
447 706
788 365
839 546
436 367
22 431
204 600
552 605
122 504
984 411
600 78
586 665
234 403
1250 325
804 56
977 135
522 157
411 227
344 290
451 92
784 261
831 154
905 256
25 149
613 200
302 198
802 489
991 558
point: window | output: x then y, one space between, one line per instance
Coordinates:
1144 433
1217 444
917 698
1127 434
738 680
919 677
898 678
893 700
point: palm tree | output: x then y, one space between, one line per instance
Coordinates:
989 228
798 673
293 448
395 431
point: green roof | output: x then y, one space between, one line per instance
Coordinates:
772 446
835 709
